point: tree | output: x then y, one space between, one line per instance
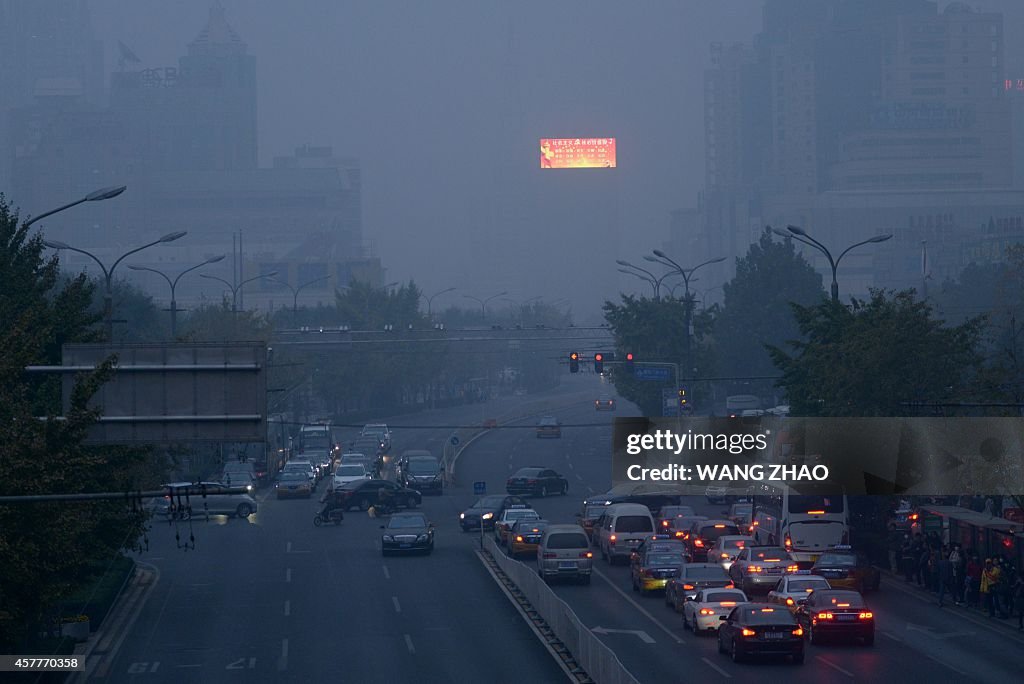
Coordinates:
757 312
873 357
50 549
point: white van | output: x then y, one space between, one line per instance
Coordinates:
622 528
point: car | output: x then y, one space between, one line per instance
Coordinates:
679 526
407 533
548 426
716 494
837 613
792 590
190 499
651 570
604 404
378 430
564 551
845 568
760 629
354 457
292 483
233 477
321 458
758 568
371 445
536 481
504 522
524 536
318 472
662 543
348 472
588 518
421 471
742 514
363 494
692 578
704 533
727 547
486 510
668 513
622 528
304 467
702 613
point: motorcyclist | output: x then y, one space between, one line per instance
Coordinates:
384 500
332 501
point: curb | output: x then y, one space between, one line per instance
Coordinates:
107 640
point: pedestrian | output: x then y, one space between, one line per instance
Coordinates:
1007 581
1018 601
973 581
957 566
944 578
895 547
989 582
924 567
908 559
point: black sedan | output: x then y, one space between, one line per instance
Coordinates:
486 510
761 629
407 533
535 481
362 494
837 613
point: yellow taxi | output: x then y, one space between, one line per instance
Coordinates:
524 537
845 568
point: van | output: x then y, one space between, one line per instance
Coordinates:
564 551
622 528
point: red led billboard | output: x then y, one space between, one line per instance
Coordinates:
577 153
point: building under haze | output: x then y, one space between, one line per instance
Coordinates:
184 139
857 117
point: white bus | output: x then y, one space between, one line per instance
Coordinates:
805 523
736 404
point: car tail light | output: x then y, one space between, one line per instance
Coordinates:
748 632
730 585
754 569
698 542
680 534
664 523
550 555
792 568
788 542
706 611
799 631
612 538
866 616
825 616
586 554
790 602
727 603
815 512
519 537
688 587
725 555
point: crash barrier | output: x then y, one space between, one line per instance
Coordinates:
465 435
596 659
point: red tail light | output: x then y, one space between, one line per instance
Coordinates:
519 538
788 542
825 616
754 569
586 554
730 585
799 631
688 587
550 555
698 542
792 568
748 632
706 611
866 616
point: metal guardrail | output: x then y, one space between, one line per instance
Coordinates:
599 661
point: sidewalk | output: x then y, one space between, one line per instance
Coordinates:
101 647
1009 624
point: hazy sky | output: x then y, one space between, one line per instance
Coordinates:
443 101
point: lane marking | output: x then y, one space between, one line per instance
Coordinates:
189 665
946 665
636 605
398 607
387 574
835 667
288 575
579 477
408 644
282 662
570 463
892 636
717 669
288 547
287 608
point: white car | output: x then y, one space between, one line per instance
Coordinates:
792 589
702 613
349 472
716 494
727 547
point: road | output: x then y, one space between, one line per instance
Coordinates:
275 599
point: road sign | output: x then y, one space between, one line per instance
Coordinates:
669 403
652 373
455 440
479 488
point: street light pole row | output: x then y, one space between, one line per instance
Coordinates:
174 285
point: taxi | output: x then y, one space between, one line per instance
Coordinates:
651 570
589 517
525 536
845 568
726 548
508 518
703 614
659 542
760 567
794 589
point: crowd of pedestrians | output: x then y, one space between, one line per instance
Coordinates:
991 584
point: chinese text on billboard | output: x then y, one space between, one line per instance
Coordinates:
577 153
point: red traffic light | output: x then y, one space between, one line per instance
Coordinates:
629 356
598 357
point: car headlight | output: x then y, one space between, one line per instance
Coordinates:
486 516
388 538
462 516
421 538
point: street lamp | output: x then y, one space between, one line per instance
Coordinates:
174 285
483 302
297 290
430 300
801 235
97 196
654 280
108 274
235 288
687 274
522 306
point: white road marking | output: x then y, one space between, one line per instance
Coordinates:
892 636
189 665
408 644
288 575
387 574
717 669
398 607
288 547
287 608
835 667
636 605
939 662
570 464
282 662
579 477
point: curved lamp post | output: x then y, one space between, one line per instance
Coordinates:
96 196
174 285
235 288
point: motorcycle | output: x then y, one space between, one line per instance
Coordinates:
335 516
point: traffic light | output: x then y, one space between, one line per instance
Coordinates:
574 362
598 363
628 363
683 397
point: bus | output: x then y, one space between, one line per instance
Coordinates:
736 404
806 523
315 438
